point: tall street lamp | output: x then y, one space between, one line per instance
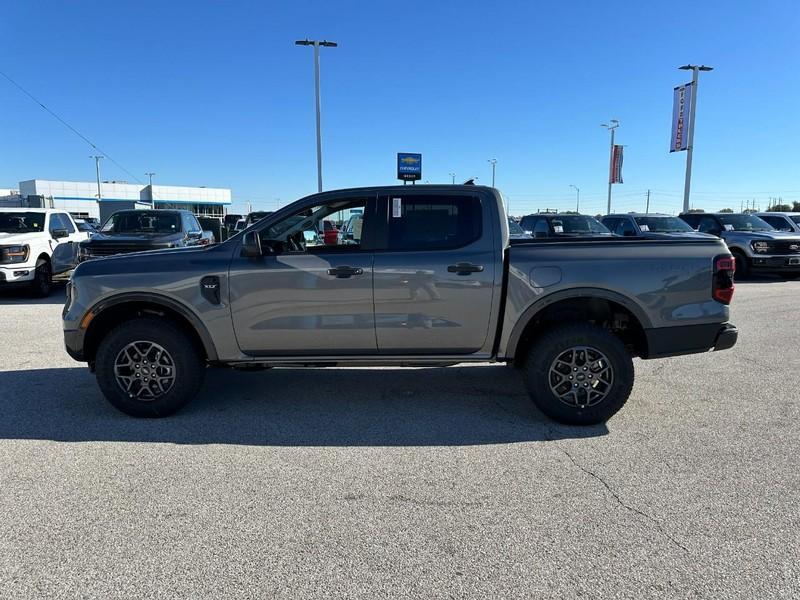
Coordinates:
493 162
453 178
695 69
150 176
578 203
316 45
97 171
611 126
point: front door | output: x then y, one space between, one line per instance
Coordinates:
311 292
65 249
434 282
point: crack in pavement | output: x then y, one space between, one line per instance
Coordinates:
615 495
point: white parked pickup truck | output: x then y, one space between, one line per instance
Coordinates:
35 244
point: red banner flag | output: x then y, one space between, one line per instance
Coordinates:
615 176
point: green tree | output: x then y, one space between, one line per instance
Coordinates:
779 208
796 206
696 210
726 210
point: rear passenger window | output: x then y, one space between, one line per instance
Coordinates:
433 222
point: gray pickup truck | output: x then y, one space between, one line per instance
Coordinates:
428 278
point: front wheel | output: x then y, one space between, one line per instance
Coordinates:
42 279
579 374
742 265
149 368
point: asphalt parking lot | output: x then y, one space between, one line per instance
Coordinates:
418 482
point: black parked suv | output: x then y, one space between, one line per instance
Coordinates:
563 225
137 230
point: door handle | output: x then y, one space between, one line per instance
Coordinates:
464 268
345 272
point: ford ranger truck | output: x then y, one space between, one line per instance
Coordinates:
428 277
35 245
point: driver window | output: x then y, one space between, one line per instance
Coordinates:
330 227
708 225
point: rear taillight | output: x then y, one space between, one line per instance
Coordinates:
723 287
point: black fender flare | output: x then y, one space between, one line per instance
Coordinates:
536 307
167 302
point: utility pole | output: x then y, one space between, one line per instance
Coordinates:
647 209
316 45
578 203
453 178
611 126
97 170
695 69
493 161
150 175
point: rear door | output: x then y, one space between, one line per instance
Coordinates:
305 297
434 272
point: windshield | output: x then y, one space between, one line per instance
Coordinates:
795 218
21 222
744 223
143 221
514 228
663 224
577 224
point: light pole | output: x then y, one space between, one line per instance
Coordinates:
611 126
97 170
695 69
150 175
578 203
453 178
316 45
493 161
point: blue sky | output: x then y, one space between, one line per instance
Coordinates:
216 94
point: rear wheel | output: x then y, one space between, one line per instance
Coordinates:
579 374
149 368
42 279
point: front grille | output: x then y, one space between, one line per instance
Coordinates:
110 250
785 247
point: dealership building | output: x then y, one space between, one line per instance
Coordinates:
80 197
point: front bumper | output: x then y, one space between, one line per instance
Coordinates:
73 343
689 339
776 264
10 274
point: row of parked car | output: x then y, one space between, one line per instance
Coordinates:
37 244
763 242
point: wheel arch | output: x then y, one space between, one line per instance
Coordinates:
581 304
112 311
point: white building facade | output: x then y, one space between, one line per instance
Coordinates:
80 197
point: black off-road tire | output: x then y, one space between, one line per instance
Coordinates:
42 283
743 270
186 359
553 344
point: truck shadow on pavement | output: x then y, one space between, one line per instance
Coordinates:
293 407
20 295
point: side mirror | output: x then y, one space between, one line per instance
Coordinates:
251 245
59 233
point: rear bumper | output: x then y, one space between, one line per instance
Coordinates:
689 339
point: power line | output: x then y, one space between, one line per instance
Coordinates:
68 126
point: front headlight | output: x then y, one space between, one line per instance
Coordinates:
760 246
14 254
